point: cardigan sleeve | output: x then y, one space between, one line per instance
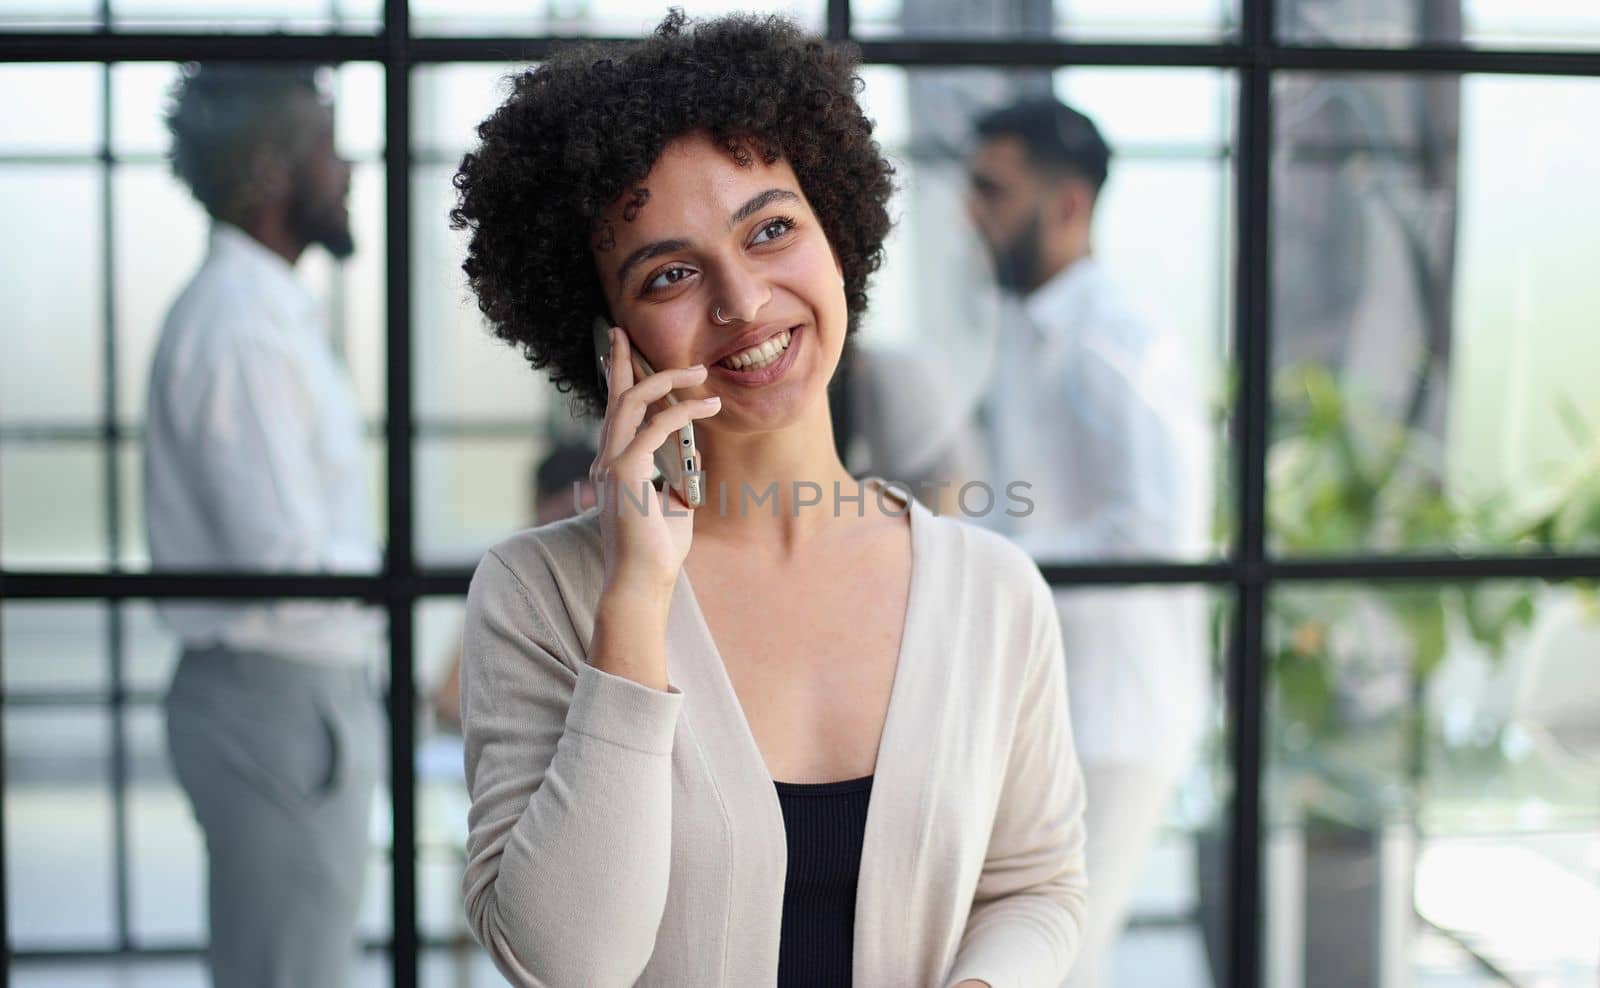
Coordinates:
1028 910
569 771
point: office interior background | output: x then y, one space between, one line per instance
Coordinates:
1372 222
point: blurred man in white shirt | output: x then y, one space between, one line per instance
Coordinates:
1098 410
253 463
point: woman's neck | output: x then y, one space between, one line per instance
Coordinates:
776 489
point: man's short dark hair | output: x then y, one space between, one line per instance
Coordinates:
1057 138
221 116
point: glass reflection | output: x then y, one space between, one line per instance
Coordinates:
300 16
1408 23
556 486
91 180
254 460
593 18
937 366
1158 795
1433 784
475 409
59 817
105 847
1432 354
1078 20
1020 358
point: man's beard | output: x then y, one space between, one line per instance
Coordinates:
324 224
1017 264
338 242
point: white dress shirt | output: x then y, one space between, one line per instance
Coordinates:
1100 413
253 456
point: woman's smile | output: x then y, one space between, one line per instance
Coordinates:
763 364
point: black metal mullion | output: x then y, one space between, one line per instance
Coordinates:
1435 58
908 52
124 158
1046 53
191 950
448 579
1245 681
400 564
1123 574
201 47
153 953
1035 52
52 433
218 586
838 28
1435 569
113 480
82 698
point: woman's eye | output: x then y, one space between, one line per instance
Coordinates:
782 226
673 276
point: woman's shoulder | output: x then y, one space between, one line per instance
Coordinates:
996 572
983 551
533 594
990 603
561 558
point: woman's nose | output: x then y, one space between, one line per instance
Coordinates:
742 294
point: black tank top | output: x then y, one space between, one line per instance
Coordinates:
824 823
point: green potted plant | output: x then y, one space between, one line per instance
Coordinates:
1350 665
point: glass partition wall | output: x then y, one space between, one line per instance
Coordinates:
1368 228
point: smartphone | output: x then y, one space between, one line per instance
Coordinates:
678 458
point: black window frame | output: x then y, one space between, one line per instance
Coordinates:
1247 572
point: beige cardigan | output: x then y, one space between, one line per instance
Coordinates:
623 835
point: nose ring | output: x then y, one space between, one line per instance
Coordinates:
717 317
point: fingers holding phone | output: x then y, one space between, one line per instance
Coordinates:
678 458
647 532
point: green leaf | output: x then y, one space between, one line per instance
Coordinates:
1421 612
1579 519
1491 609
1578 428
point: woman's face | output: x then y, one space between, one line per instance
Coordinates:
711 234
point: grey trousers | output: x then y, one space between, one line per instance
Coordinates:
279 760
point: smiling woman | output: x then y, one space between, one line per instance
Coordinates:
588 126
752 747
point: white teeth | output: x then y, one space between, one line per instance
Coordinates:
758 356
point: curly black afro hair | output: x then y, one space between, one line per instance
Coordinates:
591 121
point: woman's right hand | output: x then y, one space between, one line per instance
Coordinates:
644 547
